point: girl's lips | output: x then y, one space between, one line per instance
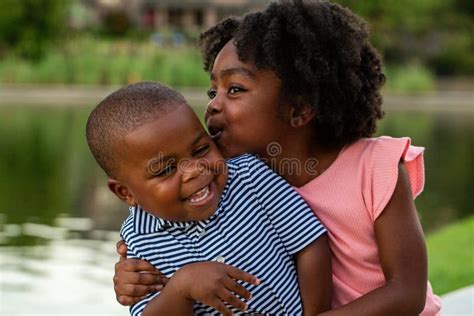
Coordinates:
215 136
214 131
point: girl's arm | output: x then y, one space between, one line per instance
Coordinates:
403 257
313 265
135 278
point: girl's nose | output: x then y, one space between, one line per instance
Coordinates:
214 106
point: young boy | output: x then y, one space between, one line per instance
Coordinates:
220 230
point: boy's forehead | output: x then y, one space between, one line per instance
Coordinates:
178 127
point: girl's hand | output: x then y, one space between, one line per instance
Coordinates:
135 278
213 283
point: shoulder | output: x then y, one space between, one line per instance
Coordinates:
247 166
379 146
140 223
128 227
245 161
381 158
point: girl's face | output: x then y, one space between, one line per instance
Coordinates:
243 114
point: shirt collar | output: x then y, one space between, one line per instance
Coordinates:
146 223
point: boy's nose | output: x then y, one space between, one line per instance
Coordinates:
191 170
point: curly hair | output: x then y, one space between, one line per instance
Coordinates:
321 53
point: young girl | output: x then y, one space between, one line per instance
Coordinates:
300 82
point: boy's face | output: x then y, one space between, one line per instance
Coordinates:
172 168
243 114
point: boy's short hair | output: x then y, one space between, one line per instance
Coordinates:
321 53
122 112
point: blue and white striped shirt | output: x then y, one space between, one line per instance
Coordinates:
260 223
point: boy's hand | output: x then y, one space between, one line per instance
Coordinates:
213 283
135 278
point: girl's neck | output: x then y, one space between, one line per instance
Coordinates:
301 161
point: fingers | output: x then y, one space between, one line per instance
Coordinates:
134 265
242 275
128 300
139 278
121 249
233 300
238 289
219 306
134 290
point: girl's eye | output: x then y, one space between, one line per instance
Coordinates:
166 171
211 93
234 90
201 150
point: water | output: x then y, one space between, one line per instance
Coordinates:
59 223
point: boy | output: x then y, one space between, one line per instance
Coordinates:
220 230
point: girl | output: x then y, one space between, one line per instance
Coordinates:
302 78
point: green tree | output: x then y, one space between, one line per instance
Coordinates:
436 33
27 27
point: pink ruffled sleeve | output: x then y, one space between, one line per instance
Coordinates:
386 155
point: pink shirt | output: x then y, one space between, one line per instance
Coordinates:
348 197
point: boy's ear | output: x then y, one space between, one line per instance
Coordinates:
121 191
301 115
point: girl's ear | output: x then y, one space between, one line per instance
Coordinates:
121 191
301 115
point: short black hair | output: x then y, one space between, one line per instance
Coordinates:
321 53
122 112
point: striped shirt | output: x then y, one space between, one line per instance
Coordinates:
260 223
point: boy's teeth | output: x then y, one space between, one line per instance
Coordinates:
199 195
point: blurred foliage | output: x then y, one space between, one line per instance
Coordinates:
116 23
418 39
29 26
88 60
434 33
409 78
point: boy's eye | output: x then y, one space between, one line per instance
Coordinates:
201 150
167 170
211 93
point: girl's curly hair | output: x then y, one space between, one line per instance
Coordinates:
321 53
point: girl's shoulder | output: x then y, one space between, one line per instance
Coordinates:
379 159
384 147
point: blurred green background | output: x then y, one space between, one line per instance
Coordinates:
58 58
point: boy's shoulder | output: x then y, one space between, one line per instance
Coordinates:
245 163
140 222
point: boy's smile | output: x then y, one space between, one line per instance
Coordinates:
172 169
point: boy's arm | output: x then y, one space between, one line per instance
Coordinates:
313 265
210 283
402 253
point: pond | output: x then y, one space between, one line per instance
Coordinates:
59 223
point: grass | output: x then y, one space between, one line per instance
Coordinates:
92 61
410 78
451 256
